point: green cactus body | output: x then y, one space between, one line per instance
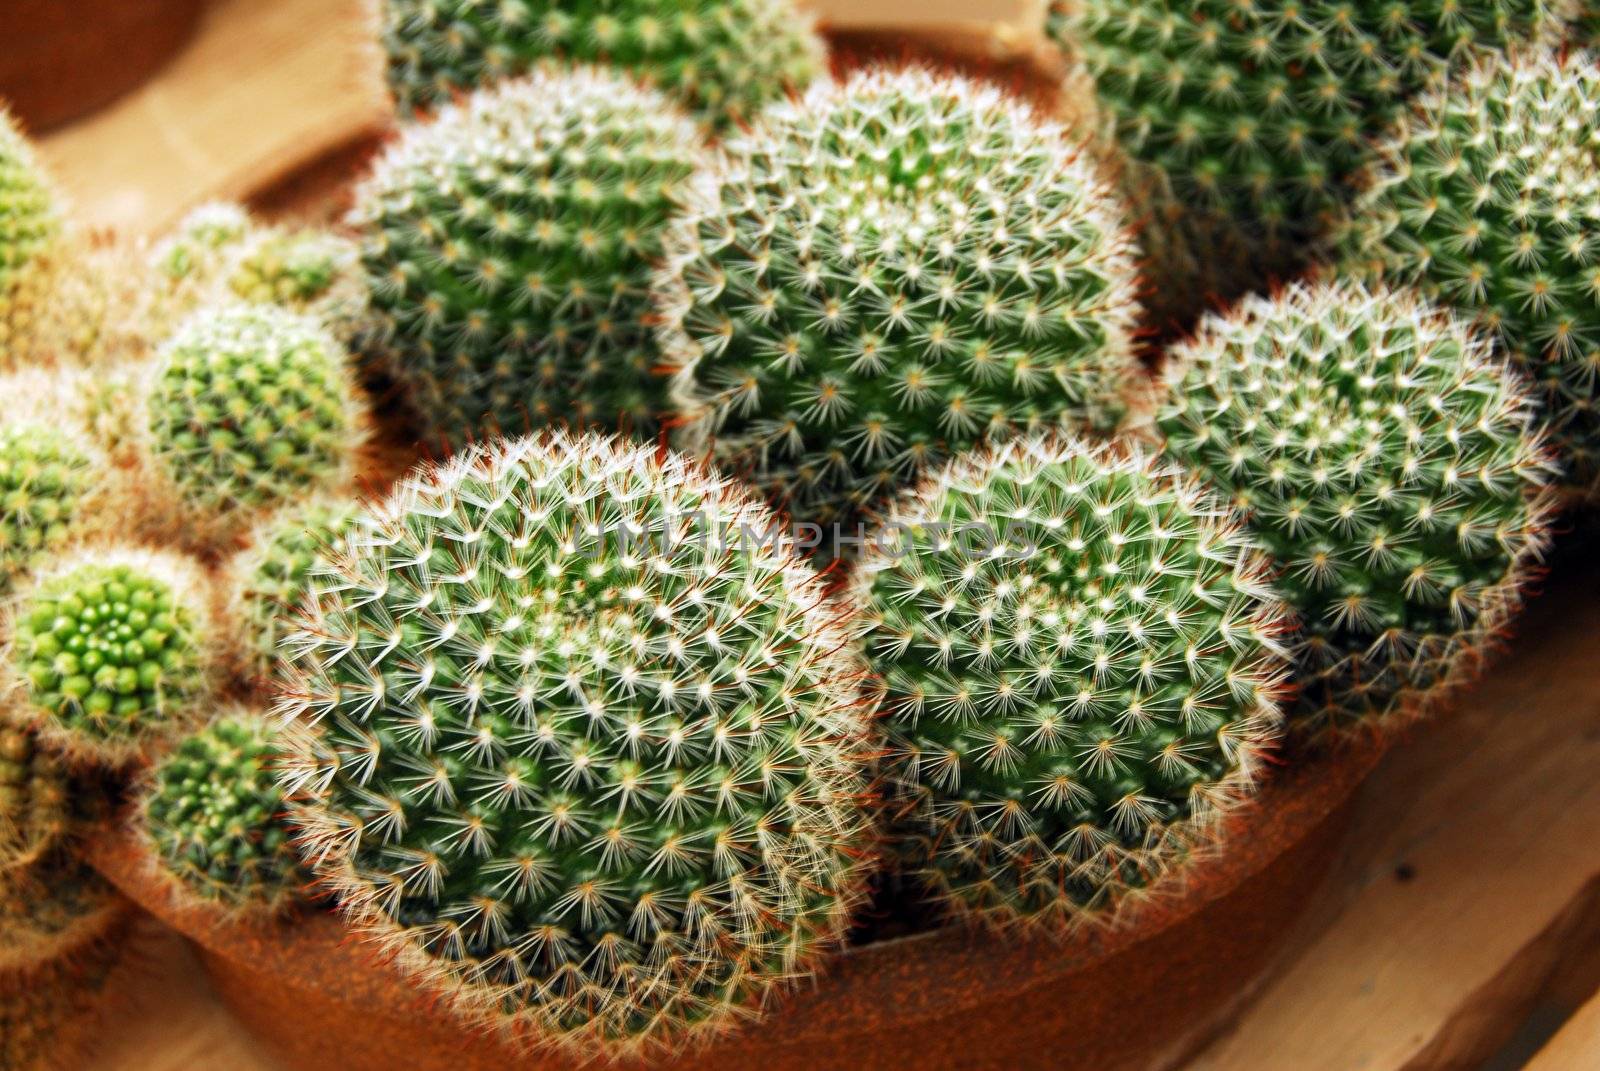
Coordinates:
110 651
215 813
1391 468
508 248
1245 123
30 228
1488 199
1081 657
886 273
271 577
46 473
595 770
724 60
251 407
201 242
294 269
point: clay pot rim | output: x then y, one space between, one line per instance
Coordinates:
312 946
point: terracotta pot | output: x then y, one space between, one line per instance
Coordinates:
65 58
1130 998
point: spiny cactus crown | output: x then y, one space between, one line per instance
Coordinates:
30 226
215 813
201 241
723 59
1245 122
508 248
1489 200
887 272
272 576
1387 463
253 406
111 650
1081 658
294 269
586 758
48 468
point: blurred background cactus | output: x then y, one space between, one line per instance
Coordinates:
30 228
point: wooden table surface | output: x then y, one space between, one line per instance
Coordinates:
1461 929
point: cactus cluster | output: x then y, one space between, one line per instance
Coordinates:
724 60
250 407
271 576
1391 467
111 650
30 229
508 248
588 742
1245 125
214 813
1081 657
50 471
1488 199
199 246
885 273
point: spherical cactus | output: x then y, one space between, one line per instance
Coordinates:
50 471
1388 464
508 248
1081 656
887 272
595 772
269 579
30 228
1489 200
302 270
251 407
723 59
1244 124
215 815
111 649
201 242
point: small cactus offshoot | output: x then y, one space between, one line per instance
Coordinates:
30 229
724 60
49 470
508 248
215 814
595 769
251 407
1391 467
888 272
1488 199
1081 655
110 651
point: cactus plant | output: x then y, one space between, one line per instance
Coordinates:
51 908
508 248
198 246
722 59
303 270
36 805
1488 200
250 407
111 649
30 229
1244 125
50 470
1081 655
594 773
215 816
1390 466
271 576
885 273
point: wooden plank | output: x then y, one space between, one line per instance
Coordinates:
1576 1047
267 86
1473 868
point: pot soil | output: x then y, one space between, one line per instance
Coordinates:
65 60
1137 996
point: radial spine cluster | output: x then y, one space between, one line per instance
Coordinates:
885 273
508 249
724 60
1245 123
111 651
1081 653
252 406
1488 199
216 816
1391 467
582 754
